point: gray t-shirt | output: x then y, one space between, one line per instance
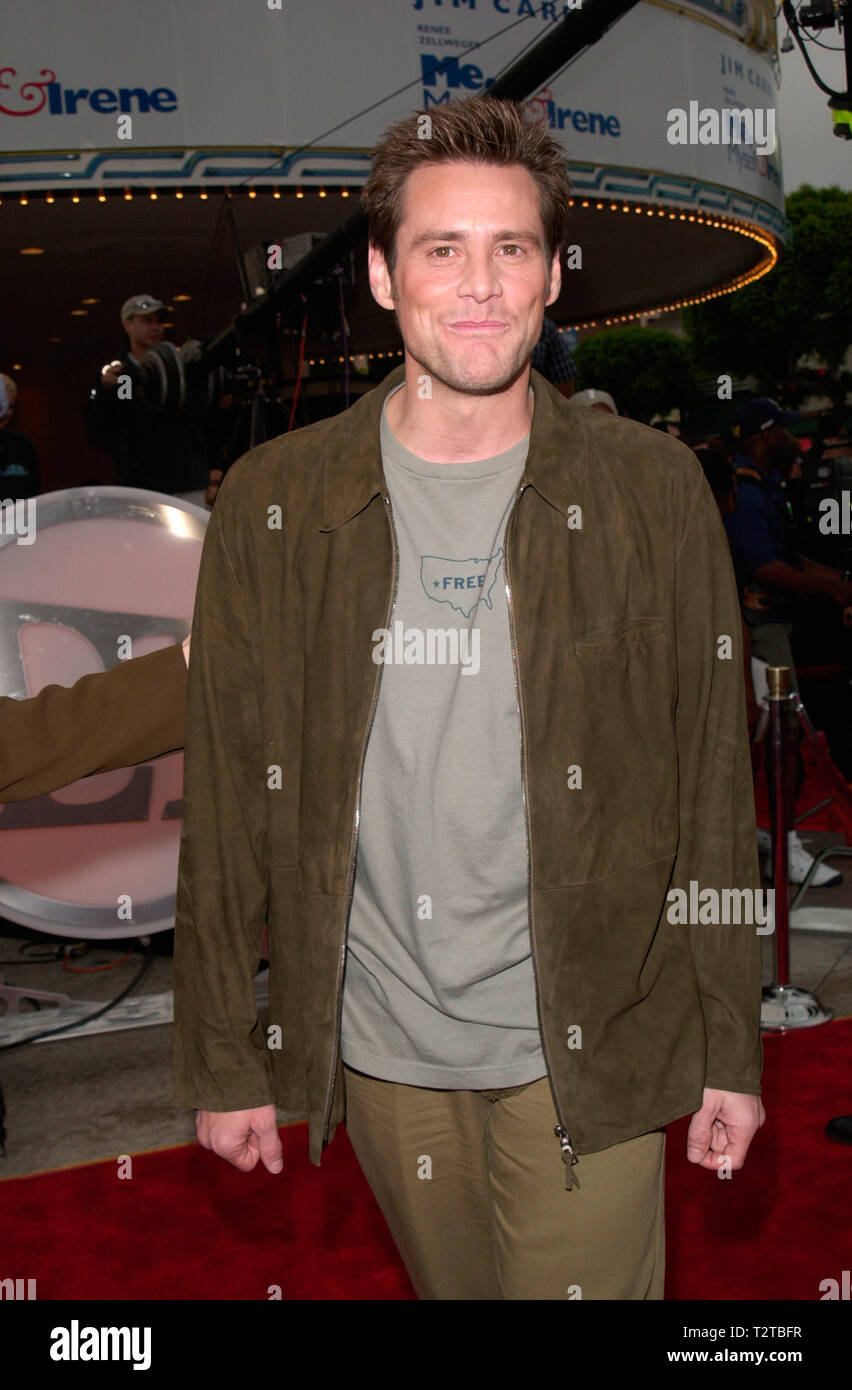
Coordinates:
438 986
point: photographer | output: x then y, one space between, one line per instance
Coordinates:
152 449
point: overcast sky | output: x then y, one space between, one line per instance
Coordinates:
809 151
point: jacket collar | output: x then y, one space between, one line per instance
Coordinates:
557 461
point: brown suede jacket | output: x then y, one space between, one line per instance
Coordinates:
626 635
130 714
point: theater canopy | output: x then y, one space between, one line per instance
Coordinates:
121 124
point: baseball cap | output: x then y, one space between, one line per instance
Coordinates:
759 414
140 304
593 397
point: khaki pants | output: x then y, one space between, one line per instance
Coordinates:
472 1187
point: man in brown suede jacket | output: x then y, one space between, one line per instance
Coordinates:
466 839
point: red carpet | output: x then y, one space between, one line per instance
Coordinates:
188 1226
780 1225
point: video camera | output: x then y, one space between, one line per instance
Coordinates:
175 379
250 357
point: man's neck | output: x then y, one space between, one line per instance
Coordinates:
454 426
138 353
759 467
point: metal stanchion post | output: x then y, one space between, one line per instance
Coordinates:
778 678
784 1007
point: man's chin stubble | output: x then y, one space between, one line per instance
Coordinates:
470 385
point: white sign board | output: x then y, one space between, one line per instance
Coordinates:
238 76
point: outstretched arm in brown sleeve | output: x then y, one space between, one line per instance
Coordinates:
117 718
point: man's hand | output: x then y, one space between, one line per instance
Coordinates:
110 374
723 1128
242 1136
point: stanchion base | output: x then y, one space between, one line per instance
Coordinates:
784 1008
836 920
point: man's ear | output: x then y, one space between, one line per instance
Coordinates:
380 280
555 279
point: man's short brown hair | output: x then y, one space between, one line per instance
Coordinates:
482 129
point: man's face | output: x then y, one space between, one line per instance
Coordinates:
472 276
144 330
781 449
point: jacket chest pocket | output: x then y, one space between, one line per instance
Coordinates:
623 638
618 777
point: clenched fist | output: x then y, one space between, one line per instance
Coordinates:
242 1137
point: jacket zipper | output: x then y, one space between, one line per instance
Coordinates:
569 1157
356 827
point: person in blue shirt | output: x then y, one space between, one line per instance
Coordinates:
769 571
552 357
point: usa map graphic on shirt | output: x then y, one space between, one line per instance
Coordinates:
460 583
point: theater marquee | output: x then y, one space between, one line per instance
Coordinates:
106 95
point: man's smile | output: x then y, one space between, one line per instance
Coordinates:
482 326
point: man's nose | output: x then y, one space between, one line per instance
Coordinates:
480 276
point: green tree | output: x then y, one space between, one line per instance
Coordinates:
803 305
647 370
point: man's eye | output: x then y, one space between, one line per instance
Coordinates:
438 249
512 246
